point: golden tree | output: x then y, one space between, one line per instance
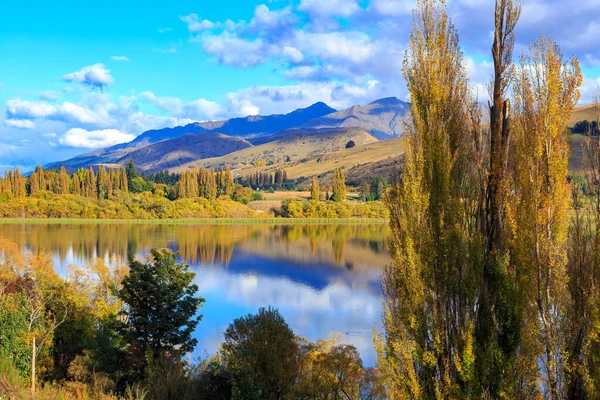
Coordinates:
339 185
430 286
545 93
314 190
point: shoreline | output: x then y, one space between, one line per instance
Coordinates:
199 221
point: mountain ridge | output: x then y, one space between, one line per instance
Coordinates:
380 118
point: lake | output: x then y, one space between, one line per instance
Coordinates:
322 278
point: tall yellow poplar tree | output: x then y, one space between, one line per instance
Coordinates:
430 286
545 93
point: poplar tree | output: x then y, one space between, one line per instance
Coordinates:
499 314
584 276
545 93
339 185
430 299
315 193
34 184
103 183
63 178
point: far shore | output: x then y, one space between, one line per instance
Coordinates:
201 221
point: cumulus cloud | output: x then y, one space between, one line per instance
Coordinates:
198 110
93 75
229 49
320 8
195 24
23 109
77 137
120 58
20 123
267 22
393 8
314 49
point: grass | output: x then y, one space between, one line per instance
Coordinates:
201 221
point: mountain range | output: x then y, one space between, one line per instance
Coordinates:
299 135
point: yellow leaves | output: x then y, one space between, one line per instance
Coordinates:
464 361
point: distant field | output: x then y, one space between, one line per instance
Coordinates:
582 113
359 163
348 158
286 195
576 159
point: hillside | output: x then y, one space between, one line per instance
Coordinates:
582 113
360 163
183 149
383 118
297 145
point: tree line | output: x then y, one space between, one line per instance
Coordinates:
105 184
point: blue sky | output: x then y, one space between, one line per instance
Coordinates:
77 76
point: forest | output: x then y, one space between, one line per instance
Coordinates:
123 193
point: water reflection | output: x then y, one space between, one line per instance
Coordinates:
323 278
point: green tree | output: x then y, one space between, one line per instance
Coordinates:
260 351
161 307
364 191
339 185
130 170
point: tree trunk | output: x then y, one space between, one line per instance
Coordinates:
33 353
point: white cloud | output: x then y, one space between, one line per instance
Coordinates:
93 75
326 8
32 110
201 109
50 95
277 22
197 110
393 8
231 50
20 123
77 137
164 30
24 109
283 99
170 104
293 54
120 58
81 114
195 24
356 47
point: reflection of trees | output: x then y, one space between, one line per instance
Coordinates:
338 249
196 244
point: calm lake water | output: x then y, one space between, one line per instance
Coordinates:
322 278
